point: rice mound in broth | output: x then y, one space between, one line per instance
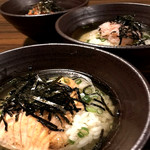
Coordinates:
46 112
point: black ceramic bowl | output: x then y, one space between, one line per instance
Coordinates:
126 81
37 27
101 13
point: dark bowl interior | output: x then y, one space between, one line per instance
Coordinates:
69 22
39 27
129 85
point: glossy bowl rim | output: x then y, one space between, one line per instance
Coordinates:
145 134
63 35
30 16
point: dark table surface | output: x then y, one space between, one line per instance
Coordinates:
11 38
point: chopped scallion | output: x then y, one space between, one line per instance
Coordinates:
99 111
71 142
66 80
78 81
146 37
86 98
103 40
88 90
88 41
94 110
94 96
83 132
91 109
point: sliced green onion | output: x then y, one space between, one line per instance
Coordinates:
71 142
94 110
88 41
91 109
66 80
99 92
83 132
98 37
78 81
99 111
88 90
80 134
103 39
86 98
94 96
146 37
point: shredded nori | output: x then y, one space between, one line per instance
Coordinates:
31 94
129 28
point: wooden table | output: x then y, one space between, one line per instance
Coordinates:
10 38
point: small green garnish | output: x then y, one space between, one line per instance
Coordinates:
71 142
98 37
88 41
103 40
146 37
99 111
66 80
88 90
91 109
94 96
80 134
94 110
78 81
83 132
86 98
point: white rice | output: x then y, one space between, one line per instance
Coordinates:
94 122
91 37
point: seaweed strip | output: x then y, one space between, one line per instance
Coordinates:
5 123
54 97
46 123
107 108
97 106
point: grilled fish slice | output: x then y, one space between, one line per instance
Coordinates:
29 134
